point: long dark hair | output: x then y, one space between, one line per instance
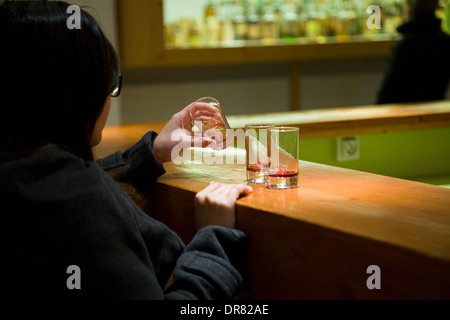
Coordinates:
54 80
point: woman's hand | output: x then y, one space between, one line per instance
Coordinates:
215 205
179 131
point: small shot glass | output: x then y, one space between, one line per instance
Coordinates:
283 144
210 122
257 160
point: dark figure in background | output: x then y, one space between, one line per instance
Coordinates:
419 65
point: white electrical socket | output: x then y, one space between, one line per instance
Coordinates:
347 148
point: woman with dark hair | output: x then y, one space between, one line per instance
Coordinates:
61 209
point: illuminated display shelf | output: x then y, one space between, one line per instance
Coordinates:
142 44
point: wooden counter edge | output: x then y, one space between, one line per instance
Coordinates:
292 259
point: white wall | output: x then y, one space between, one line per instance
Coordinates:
152 101
154 95
180 9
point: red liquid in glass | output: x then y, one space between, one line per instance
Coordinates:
258 167
283 173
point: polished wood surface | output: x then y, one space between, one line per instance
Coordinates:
317 241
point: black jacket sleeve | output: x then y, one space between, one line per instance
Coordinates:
137 165
211 266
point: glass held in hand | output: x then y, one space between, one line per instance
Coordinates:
208 120
283 144
257 159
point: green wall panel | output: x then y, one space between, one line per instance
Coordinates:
411 155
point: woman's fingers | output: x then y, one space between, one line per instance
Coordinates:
238 190
204 142
215 205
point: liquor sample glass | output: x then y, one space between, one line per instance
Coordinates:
257 160
210 122
283 157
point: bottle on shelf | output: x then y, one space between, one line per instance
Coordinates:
289 20
393 15
302 18
347 16
195 33
354 14
270 30
343 20
324 20
334 27
240 20
253 21
225 16
312 23
211 28
181 32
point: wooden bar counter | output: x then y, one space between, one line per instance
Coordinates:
317 241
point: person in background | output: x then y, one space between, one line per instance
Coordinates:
61 210
419 65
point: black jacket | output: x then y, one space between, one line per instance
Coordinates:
60 211
419 64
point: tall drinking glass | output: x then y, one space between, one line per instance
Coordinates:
208 120
283 157
257 159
